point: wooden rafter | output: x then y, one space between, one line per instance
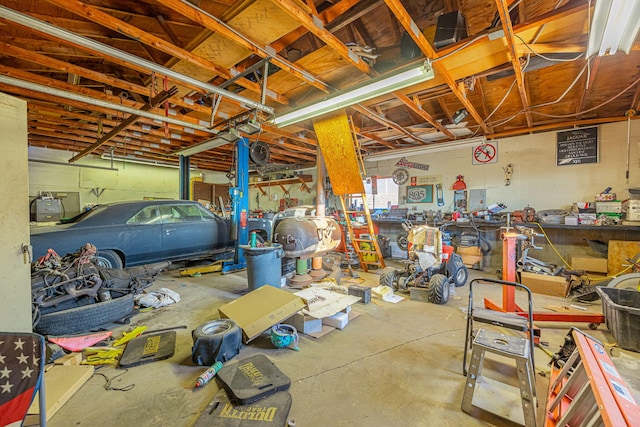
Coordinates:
503 11
407 22
214 24
155 42
314 25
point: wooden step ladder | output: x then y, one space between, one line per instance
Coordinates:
588 390
374 247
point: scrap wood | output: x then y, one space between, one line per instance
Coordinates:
60 383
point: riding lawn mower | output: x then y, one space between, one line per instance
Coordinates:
430 265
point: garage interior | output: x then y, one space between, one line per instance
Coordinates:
508 125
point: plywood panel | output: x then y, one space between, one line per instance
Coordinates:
338 150
619 251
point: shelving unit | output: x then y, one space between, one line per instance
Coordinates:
300 179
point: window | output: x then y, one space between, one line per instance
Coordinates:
386 193
147 215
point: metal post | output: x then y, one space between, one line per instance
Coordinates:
184 178
240 206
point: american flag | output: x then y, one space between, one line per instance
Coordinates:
20 367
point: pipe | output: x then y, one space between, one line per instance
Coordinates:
36 24
98 102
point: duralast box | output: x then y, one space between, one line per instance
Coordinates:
260 309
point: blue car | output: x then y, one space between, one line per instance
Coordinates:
139 232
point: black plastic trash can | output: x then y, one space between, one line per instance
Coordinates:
264 265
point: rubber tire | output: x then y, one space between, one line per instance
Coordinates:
108 259
626 281
461 273
84 318
389 277
439 289
403 241
213 328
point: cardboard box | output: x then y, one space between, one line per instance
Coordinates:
338 320
570 220
543 284
606 197
588 263
305 324
260 309
609 207
471 255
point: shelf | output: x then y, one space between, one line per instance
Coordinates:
300 179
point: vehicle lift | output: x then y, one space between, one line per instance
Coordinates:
239 207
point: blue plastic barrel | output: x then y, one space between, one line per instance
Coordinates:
264 265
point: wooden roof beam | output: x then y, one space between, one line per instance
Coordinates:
415 106
315 26
155 42
377 139
591 77
211 22
503 11
407 22
387 123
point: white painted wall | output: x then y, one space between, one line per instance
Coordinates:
536 180
131 181
15 276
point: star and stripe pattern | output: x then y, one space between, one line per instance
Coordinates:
20 368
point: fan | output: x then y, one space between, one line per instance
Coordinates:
259 153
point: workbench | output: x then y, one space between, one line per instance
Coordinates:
568 239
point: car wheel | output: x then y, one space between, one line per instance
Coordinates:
389 277
108 259
84 318
216 341
439 289
403 241
460 276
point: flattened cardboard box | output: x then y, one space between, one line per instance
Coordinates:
260 309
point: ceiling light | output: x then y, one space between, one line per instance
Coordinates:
204 146
614 26
249 127
424 149
376 87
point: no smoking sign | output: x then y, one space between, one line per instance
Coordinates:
485 153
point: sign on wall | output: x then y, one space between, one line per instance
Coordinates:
420 194
485 153
577 146
426 179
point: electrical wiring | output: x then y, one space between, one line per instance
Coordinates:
635 82
546 57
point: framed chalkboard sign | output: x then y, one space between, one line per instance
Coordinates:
420 194
577 146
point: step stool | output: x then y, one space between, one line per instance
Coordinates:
516 348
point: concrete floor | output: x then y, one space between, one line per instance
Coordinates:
394 365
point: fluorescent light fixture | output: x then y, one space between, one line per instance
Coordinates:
614 26
133 159
371 89
203 146
424 149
